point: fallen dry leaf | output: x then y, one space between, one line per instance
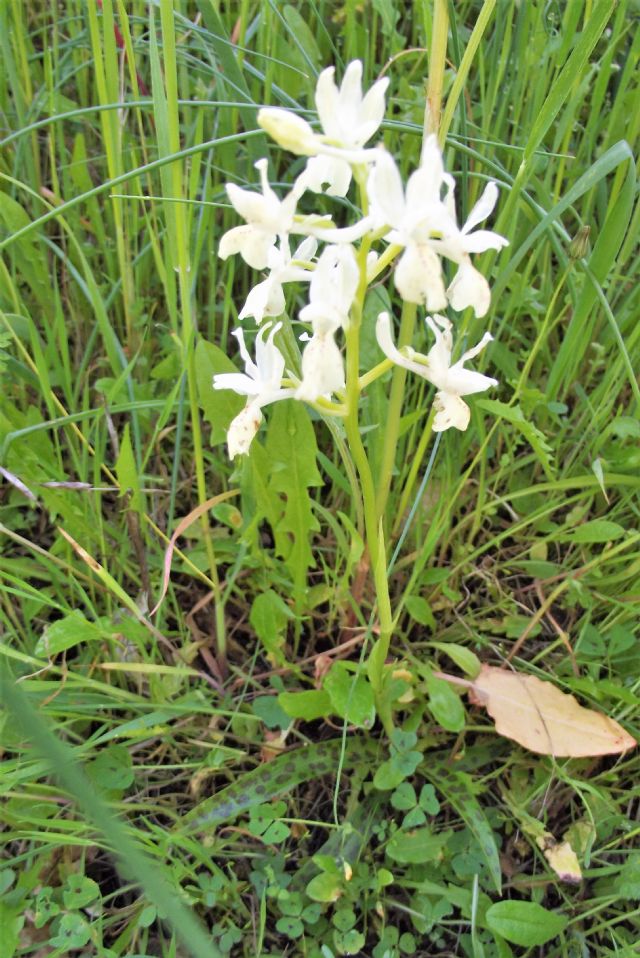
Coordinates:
561 857
543 719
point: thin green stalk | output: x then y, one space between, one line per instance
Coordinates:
463 70
185 287
373 529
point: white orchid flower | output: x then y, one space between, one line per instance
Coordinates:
322 366
261 381
423 221
469 287
348 121
267 218
331 292
451 380
415 217
267 298
332 288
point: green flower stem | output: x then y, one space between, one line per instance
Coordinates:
373 530
396 399
384 260
374 535
375 373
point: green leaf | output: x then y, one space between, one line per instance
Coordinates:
127 471
597 530
565 82
112 769
290 926
292 449
404 797
351 696
416 847
304 35
531 433
325 887
525 923
420 610
220 406
269 710
11 922
445 706
457 789
464 658
309 706
26 253
79 891
269 617
66 633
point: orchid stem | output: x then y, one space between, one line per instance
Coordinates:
373 530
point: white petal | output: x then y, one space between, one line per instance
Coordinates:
483 207
465 382
384 188
372 110
322 369
306 250
243 428
475 350
289 130
269 360
450 411
251 206
252 243
238 382
249 366
328 103
329 171
334 282
232 241
388 347
350 101
418 278
469 288
265 299
346 234
440 353
423 188
481 240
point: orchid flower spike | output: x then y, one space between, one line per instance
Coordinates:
267 218
452 381
261 381
267 297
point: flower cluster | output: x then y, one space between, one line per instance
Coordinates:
418 226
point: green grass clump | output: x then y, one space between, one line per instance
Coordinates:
137 816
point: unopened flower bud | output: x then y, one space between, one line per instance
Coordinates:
289 130
580 246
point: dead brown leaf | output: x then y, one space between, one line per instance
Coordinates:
543 719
